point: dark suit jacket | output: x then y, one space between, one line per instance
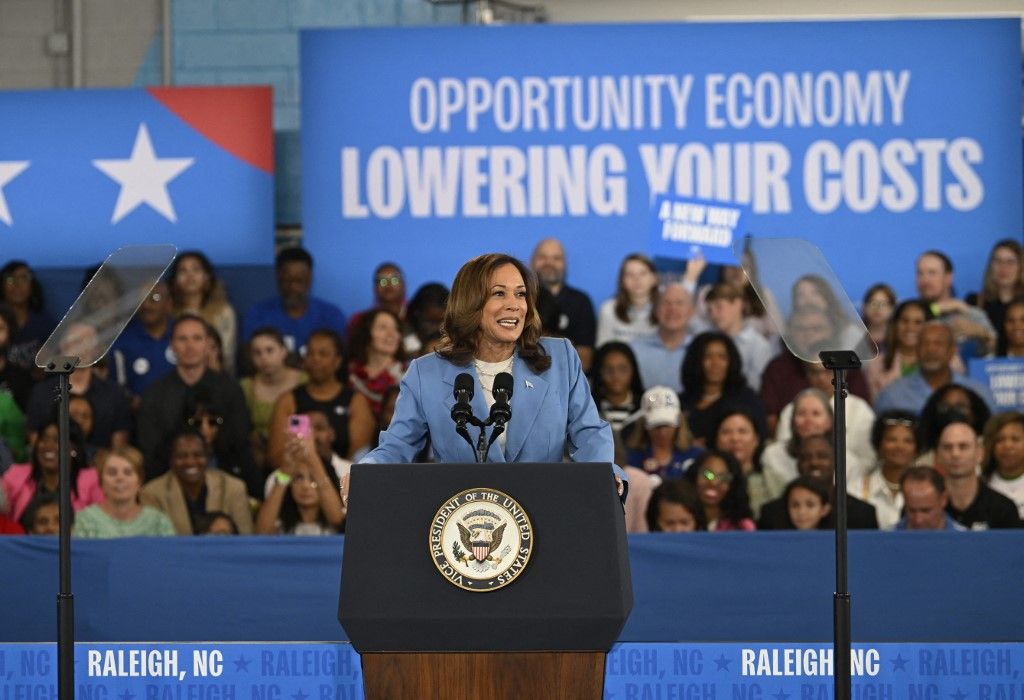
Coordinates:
860 515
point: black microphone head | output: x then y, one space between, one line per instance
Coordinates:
502 385
464 387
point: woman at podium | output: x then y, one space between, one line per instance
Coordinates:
491 329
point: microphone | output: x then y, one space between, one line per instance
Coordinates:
462 413
501 412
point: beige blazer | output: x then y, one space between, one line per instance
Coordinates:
223 492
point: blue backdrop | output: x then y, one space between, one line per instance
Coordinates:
428 146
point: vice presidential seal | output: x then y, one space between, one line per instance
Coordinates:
481 539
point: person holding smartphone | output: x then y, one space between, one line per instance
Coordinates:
304 496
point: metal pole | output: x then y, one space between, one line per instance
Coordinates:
63 367
167 43
77 50
841 603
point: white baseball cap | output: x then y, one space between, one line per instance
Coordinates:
660 406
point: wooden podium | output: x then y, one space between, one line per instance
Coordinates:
542 635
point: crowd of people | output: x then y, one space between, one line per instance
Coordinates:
199 421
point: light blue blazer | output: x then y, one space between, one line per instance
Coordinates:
550 410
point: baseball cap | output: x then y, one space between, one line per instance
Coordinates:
660 406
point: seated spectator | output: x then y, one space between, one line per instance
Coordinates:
713 382
860 418
42 515
630 313
615 385
425 313
815 457
323 441
388 294
808 503
216 523
894 437
13 378
347 410
1002 283
1011 341
189 491
294 311
170 401
725 310
21 292
575 320
142 353
946 403
1004 456
121 514
876 310
925 499
935 351
660 354
663 449
195 289
736 432
15 385
221 453
376 358
675 507
898 352
722 490
972 503
112 410
973 332
272 378
304 498
811 330
811 415
815 292
81 412
24 481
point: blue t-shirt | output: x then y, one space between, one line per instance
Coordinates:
139 358
680 464
319 314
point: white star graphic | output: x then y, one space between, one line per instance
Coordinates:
143 178
9 169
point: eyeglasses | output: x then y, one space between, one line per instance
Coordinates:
394 281
708 475
902 422
206 420
18 277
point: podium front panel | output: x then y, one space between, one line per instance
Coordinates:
574 593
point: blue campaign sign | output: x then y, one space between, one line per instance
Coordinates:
83 172
685 228
870 139
1004 377
305 671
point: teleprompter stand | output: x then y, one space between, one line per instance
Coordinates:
80 340
545 635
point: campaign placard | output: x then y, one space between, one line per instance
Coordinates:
682 229
1004 377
